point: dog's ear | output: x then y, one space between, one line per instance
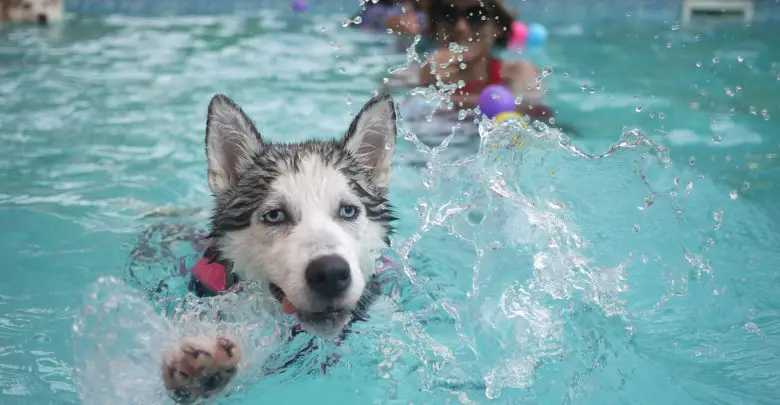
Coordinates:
371 137
231 141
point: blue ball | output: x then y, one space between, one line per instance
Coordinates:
537 35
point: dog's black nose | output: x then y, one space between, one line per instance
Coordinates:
42 19
328 276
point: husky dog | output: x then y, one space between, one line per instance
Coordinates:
31 11
307 220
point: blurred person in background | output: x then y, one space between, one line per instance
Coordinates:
477 27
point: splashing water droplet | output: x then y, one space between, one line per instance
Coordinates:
583 87
740 59
697 37
335 45
668 45
729 92
639 108
698 64
348 99
753 110
518 100
692 161
675 27
462 66
547 71
676 181
636 228
717 216
716 139
551 120
715 60
733 194
746 186
689 187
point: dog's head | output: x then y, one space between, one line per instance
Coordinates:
33 11
307 219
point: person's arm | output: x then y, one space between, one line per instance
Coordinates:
522 79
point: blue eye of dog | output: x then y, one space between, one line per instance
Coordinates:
348 212
274 217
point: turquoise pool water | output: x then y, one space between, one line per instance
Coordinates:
540 275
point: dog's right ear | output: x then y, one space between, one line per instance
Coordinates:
231 141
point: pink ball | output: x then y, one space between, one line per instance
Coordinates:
519 35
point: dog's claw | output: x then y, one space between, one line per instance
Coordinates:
200 368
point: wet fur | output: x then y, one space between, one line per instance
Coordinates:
29 11
311 182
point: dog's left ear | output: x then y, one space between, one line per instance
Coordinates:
371 137
231 141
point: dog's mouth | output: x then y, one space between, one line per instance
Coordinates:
328 314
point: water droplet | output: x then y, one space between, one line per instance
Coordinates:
753 110
348 99
475 217
668 45
546 71
697 37
639 108
733 194
462 66
335 45
675 27
740 59
636 228
715 60
551 120
591 90
746 186
584 87
717 216
689 187
661 115
691 160
566 74
729 92
716 139
343 69
698 64
519 100
676 181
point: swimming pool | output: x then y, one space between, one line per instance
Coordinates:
535 275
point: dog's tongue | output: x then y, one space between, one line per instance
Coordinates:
287 306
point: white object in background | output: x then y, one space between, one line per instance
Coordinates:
724 6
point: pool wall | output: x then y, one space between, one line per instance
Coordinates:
537 10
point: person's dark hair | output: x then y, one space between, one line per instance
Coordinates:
503 18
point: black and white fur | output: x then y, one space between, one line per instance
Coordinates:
307 220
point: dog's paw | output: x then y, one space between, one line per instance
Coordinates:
200 367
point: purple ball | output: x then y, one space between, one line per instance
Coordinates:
299 6
496 99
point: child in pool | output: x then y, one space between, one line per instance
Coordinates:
479 25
